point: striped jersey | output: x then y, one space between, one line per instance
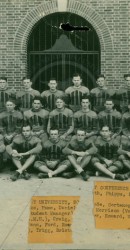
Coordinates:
111 119
86 120
4 96
25 98
108 149
122 99
37 119
74 96
62 120
11 122
53 150
99 96
23 145
49 98
126 124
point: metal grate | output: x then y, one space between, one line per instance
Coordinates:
54 52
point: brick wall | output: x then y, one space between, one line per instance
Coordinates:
109 18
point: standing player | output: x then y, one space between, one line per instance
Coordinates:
62 119
26 95
5 93
123 95
80 151
76 92
106 161
37 118
100 94
49 96
10 121
23 151
52 161
111 118
86 118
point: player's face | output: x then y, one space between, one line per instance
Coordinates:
101 82
52 84
27 83
60 104
54 135
85 103
77 81
3 84
109 105
36 104
80 135
26 131
10 106
127 79
105 132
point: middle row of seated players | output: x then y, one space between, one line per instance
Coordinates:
73 94
63 119
55 157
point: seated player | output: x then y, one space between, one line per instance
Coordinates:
49 96
123 95
75 93
52 161
86 118
100 94
111 118
62 119
23 151
80 151
26 94
5 92
37 118
124 152
2 150
10 121
106 160
126 122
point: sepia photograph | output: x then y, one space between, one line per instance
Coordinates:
64 124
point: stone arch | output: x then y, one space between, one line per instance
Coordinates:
81 9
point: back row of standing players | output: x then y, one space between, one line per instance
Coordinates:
75 109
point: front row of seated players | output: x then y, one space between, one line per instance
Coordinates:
107 155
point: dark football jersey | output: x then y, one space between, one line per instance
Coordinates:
49 98
4 97
25 98
122 99
111 119
126 124
86 120
108 149
74 96
37 119
11 122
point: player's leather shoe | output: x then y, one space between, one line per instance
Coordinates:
15 176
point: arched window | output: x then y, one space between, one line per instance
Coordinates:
54 52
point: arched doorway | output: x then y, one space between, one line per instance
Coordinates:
54 52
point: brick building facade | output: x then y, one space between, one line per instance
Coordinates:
110 19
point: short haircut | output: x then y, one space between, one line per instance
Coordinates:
61 98
85 97
37 98
54 128
126 75
13 100
26 124
101 76
104 127
76 74
26 78
52 78
3 78
81 129
109 100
